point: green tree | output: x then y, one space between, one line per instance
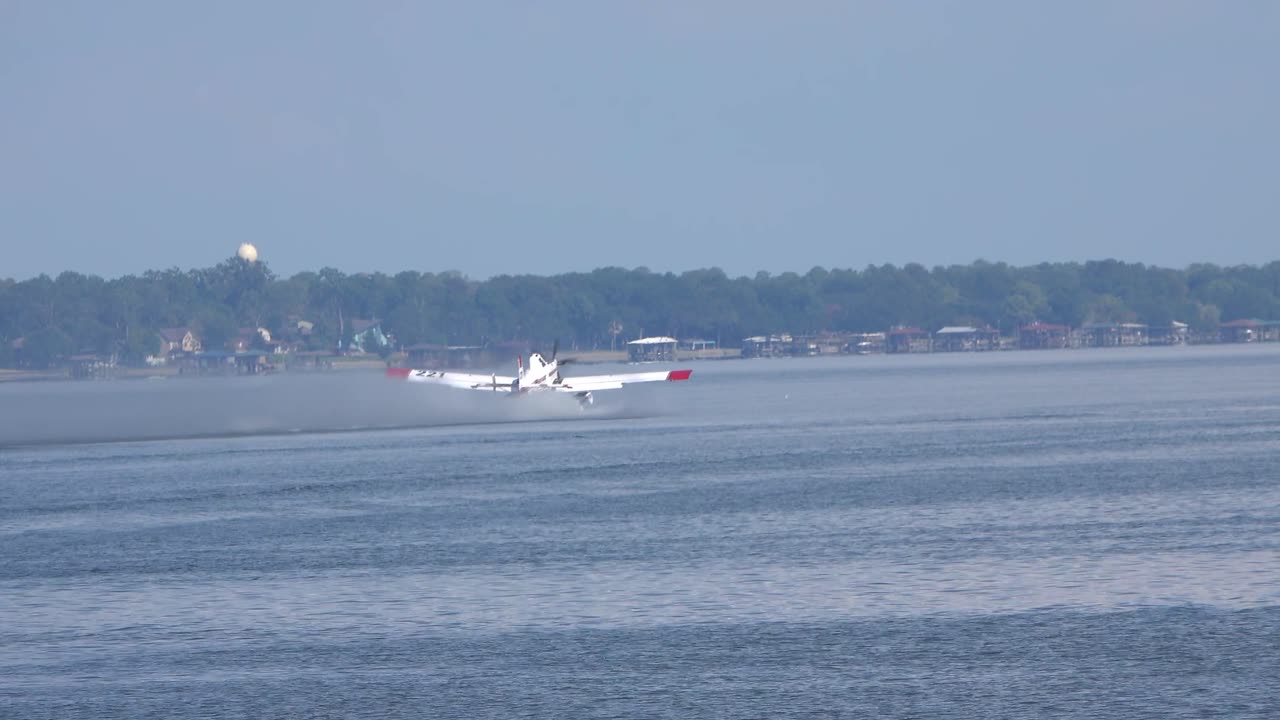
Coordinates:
1109 309
1026 304
1207 319
46 347
216 328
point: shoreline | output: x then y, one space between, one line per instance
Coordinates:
588 357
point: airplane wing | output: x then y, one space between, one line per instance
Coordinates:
590 383
466 381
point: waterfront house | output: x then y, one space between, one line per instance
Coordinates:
366 336
177 340
247 337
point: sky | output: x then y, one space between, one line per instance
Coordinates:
547 137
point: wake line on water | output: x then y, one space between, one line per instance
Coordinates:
75 413
232 434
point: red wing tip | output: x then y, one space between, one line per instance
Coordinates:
679 375
398 373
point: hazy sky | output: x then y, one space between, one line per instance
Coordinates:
543 137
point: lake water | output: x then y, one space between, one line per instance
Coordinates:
1084 534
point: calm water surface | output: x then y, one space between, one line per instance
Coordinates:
1061 534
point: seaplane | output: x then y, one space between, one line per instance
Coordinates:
540 375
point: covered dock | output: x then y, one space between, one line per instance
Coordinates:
651 349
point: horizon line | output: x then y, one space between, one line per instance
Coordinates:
770 273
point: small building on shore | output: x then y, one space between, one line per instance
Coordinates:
467 356
1249 330
438 357
1111 334
308 360
804 346
177 341
759 346
1174 333
91 366
1043 336
366 336
226 362
964 338
865 343
427 355
822 343
651 349
698 345
907 340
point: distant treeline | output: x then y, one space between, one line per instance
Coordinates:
44 319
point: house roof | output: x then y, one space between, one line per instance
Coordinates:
1251 323
653 341
359 325
173 334
1112 326
224 354
1044 327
